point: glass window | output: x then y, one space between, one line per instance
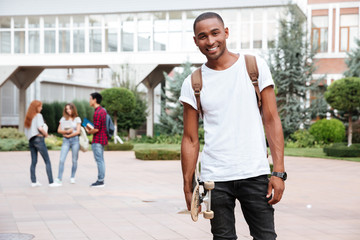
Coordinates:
19 22
175 41
78 21
111 40
144 35
348 31
127 33
111 21
19 41
79 40
271 26
64 22
95 40
160 41
160 31
64 41
49 41
319 33
175 21
245 28
34 41
33 22
49 22
95 20
5 22
5 42
190 18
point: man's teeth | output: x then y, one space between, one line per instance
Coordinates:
212 49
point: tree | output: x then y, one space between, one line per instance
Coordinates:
353 61
171 118
291 63
344 94
117 100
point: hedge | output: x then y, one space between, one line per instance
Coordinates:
342 150
328 131
14 145
11 133
157 154
119 147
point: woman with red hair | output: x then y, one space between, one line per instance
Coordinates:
35 132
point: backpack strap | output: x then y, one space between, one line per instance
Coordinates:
196 82
253 72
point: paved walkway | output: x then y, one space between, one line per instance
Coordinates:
143 200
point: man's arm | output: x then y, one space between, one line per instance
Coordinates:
189 149
275 137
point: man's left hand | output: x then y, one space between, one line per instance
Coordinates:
278 185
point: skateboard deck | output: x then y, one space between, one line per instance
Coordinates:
201 194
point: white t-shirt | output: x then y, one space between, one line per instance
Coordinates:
235 146
65 124
37 121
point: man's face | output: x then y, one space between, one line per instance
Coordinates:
92 101
210 37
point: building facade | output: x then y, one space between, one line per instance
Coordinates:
51 52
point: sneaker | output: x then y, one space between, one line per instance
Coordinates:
72 180
54 184
58 181
35 184
98 184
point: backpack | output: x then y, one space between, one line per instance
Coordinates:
110 129
251 66
83 140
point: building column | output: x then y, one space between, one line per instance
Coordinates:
22 108
150 117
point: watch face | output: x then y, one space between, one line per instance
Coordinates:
284 176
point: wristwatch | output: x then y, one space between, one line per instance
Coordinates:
282 175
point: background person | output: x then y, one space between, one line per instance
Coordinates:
69 127
100 138
35 133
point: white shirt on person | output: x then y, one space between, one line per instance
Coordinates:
33 130
69 123
235 146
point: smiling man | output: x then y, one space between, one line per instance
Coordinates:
235 152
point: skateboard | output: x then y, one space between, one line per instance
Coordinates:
200 196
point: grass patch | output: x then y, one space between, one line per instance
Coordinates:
315 153
157 154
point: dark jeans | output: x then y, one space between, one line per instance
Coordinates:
258 214
37 144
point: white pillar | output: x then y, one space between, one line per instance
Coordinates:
22 108
150 117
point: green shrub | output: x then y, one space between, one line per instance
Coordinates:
119 147
328 131
342 150
161 139
301 139
58 111
157 154
49 117
14 145
11 133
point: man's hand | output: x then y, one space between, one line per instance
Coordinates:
278 185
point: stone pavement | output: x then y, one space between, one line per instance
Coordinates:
143 200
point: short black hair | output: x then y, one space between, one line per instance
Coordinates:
96 96
207 15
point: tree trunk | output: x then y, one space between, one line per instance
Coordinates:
115 128
350 130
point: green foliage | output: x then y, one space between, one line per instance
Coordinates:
119 147
291 63
171 118
157 154
49 117
328 131
344 94
11 133
353 61
117 100
301 139
58 110
14 144
161 139
342 150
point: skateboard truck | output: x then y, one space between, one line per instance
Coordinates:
200 197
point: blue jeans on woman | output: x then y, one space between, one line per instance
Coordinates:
258 213
98 151
37 144
73 144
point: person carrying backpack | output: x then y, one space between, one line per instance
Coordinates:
100 138
234 156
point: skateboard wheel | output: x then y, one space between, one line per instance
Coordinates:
208 214
209 185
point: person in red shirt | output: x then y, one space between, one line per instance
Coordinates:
100 138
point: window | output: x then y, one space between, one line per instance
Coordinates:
111 33
5 35
319 33
144 34
230 20
19 34
95 33
127 32
34 34
175 31
49 34
348 31
78 34
160 31
271 26
64 34
245 28
258 27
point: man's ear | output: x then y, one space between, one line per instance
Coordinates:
195 41
226 32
